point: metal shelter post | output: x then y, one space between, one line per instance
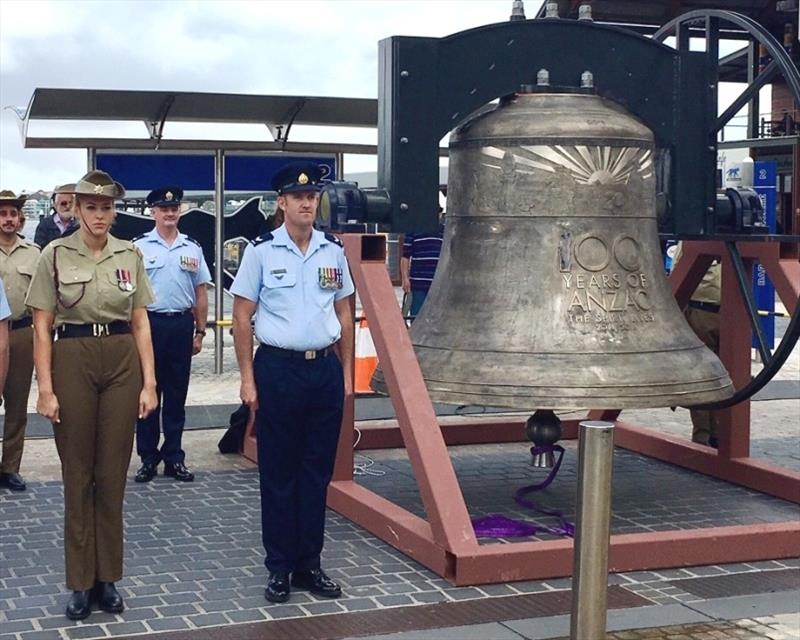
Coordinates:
91 159
219 239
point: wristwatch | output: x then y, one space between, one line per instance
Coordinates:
200 332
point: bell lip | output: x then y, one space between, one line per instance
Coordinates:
686 399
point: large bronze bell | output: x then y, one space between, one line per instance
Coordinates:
550 290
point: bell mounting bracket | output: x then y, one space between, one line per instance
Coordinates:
427 86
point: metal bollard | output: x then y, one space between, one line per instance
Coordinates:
593 521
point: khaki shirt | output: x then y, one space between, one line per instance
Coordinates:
16 270
80 289
709 288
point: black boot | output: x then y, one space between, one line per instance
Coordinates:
13 481
277 587
108 597
317 582
178 471
79 605
146 472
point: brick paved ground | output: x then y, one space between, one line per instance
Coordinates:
194 558
782 627
648 495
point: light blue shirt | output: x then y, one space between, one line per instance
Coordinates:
5 310
294 292
174 270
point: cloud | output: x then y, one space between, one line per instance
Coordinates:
278 47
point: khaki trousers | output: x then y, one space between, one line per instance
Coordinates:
706 325
15 397
97 382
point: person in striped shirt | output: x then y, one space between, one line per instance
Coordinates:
418 265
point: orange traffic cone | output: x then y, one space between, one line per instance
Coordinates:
366 360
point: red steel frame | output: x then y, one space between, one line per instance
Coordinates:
446 542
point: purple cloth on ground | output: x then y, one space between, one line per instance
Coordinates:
499 526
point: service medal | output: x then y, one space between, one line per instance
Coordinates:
188 263
124 280
330 278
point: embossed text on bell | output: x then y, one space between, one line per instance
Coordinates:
550 291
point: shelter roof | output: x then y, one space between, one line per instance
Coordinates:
153 106
156 108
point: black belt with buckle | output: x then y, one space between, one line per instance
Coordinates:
21 323
170 314
302 355
115 328
704 306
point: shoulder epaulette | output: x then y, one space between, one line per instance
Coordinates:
264 237
332 238
28 243
138 237
190 239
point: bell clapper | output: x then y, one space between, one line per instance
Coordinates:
543 429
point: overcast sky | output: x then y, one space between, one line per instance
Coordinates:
274 47
299 47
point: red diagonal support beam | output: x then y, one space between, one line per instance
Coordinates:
433 469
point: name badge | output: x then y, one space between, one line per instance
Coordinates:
188 263
278 273
330 278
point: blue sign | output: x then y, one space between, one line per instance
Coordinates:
147 171
195 172
254 172
765 184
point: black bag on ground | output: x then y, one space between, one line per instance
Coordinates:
233 439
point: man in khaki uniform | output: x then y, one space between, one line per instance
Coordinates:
94 382
17 262
5 314
702 314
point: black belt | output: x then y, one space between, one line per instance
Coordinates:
704 306
302 355
21 323
170 314
117 327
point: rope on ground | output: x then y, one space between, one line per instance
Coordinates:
362 464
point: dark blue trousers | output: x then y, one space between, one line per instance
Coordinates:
172 348
297 423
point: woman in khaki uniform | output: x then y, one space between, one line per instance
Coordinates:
94 381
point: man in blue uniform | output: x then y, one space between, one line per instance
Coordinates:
296 282
179 275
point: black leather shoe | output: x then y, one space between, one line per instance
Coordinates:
315 581
13 481
146 472
108 598
178 471
277 587
79 605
